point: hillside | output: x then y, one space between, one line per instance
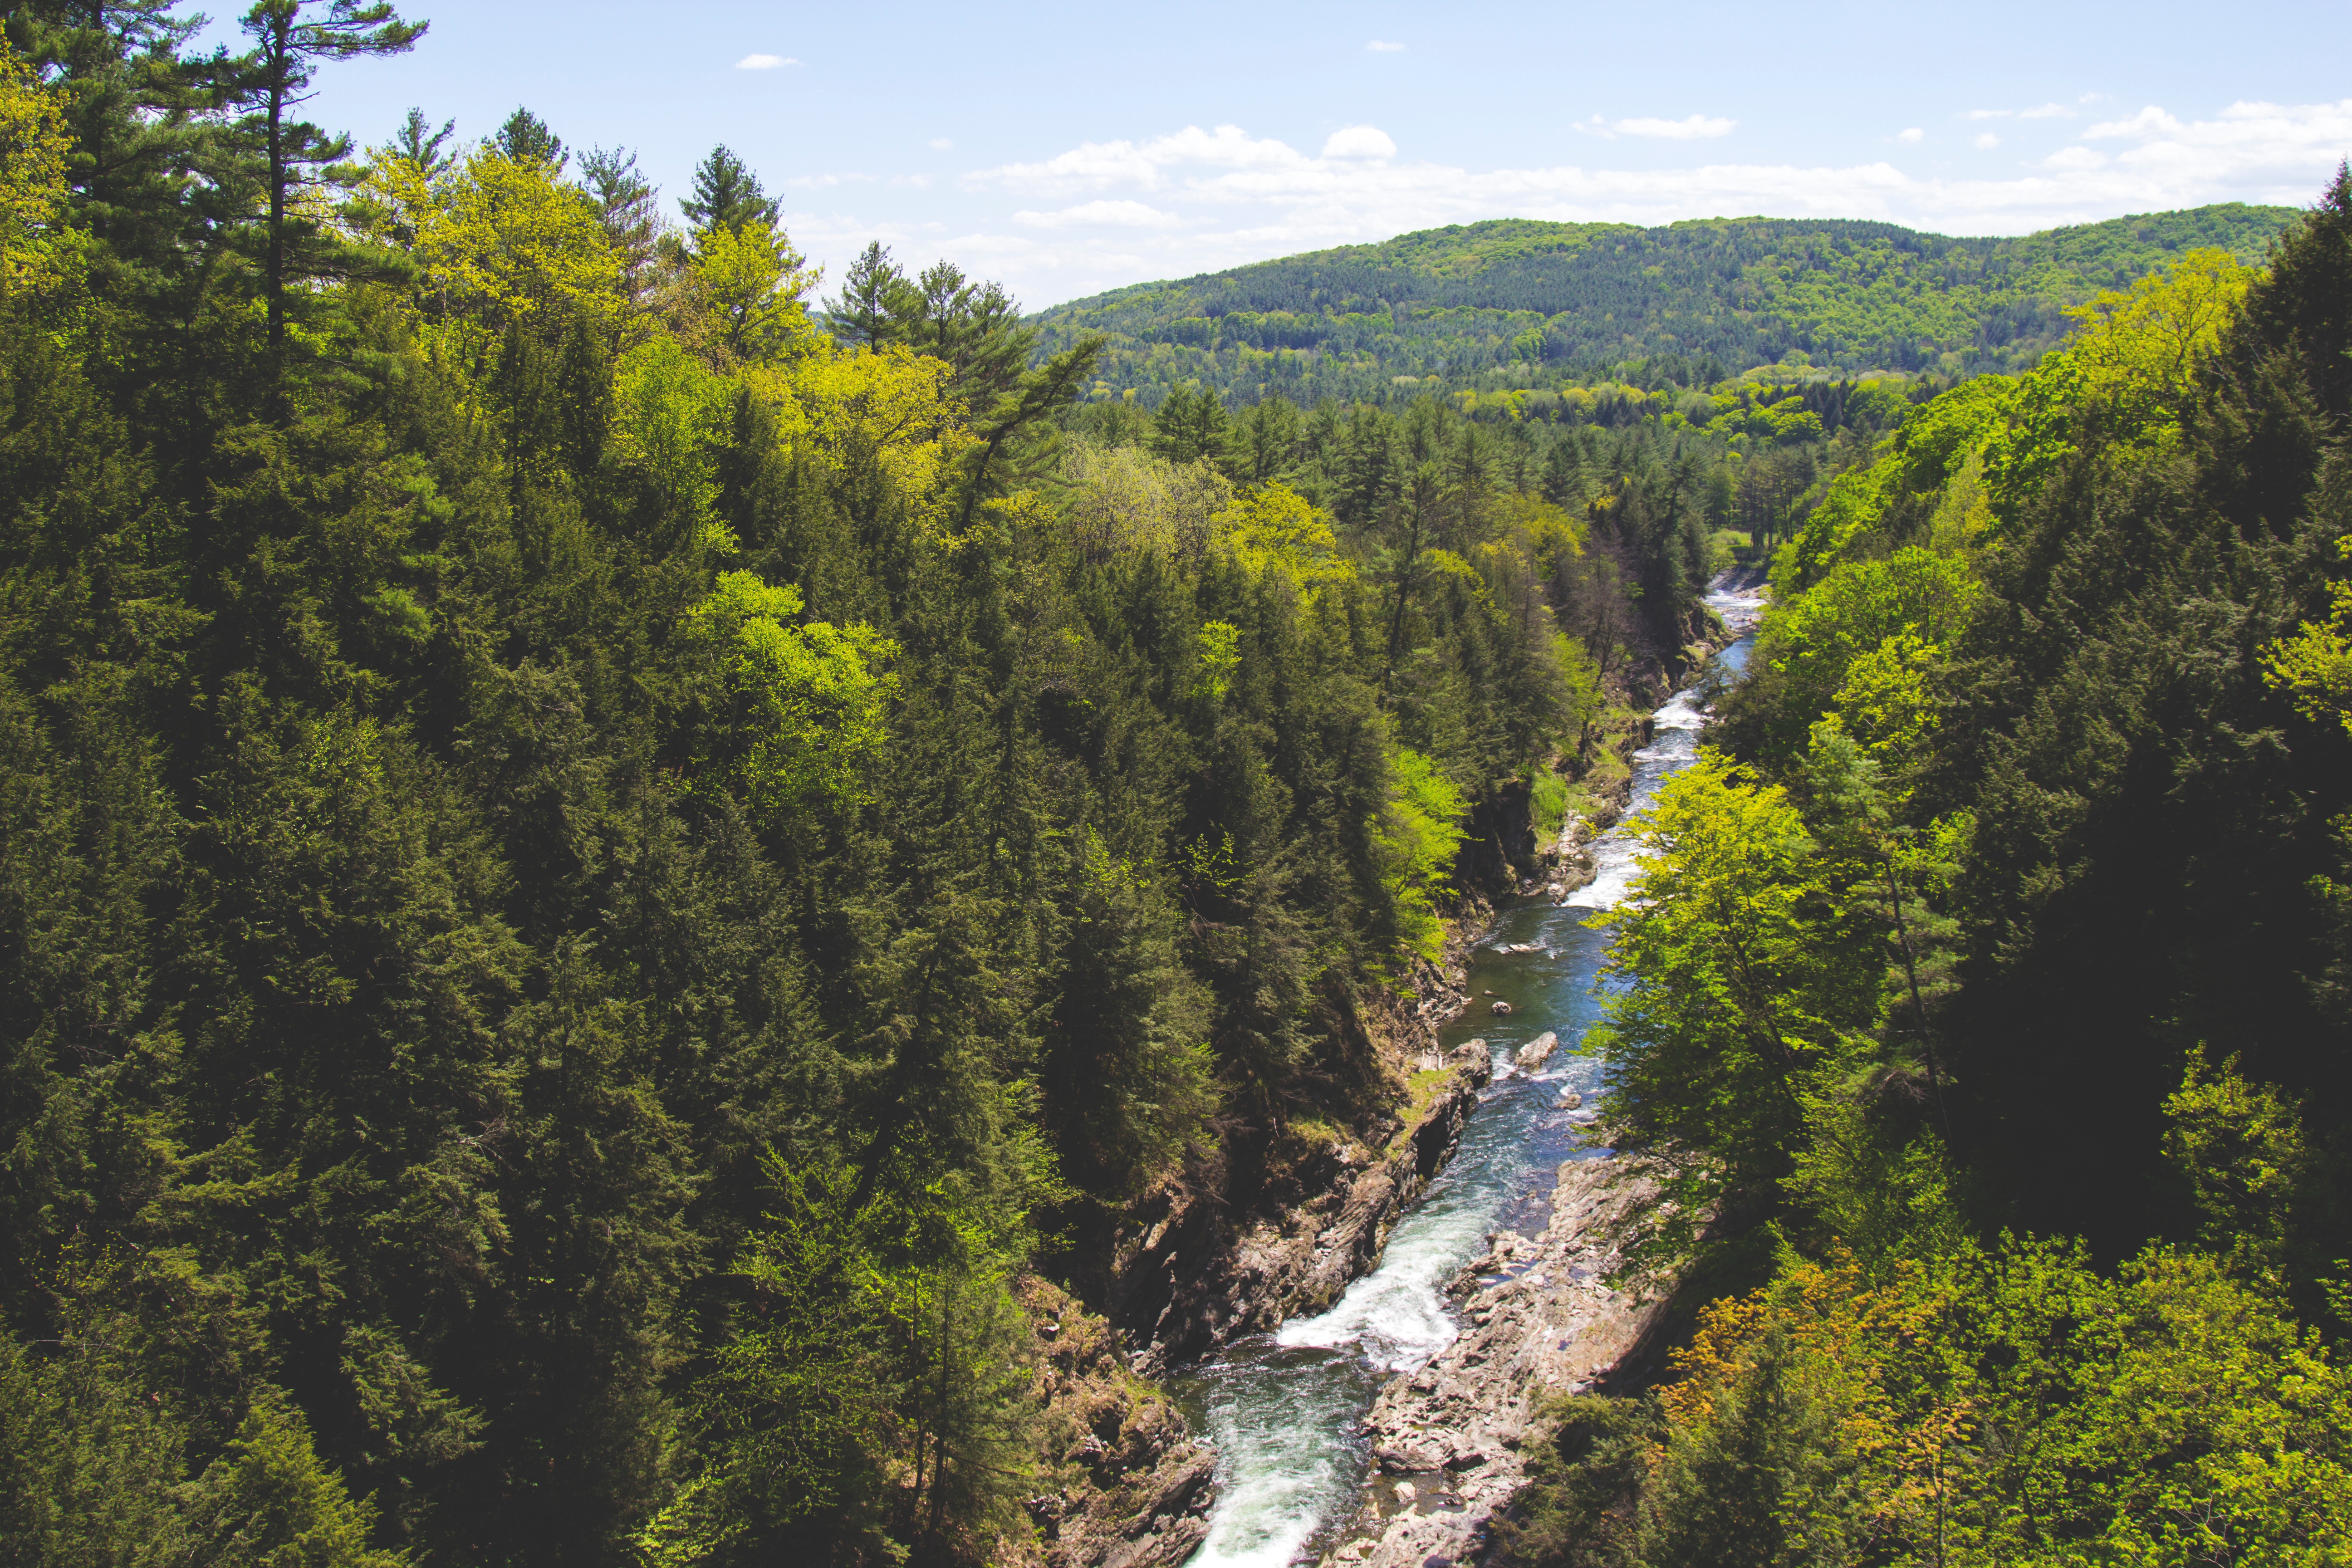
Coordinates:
1520 302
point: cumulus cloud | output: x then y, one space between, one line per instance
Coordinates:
1097 165
1383 47
764 62
1196 200
1360 141
1987 141
941 144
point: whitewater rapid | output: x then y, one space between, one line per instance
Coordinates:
1284 1409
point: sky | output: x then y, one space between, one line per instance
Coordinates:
1064 148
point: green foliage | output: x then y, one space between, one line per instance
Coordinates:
1518 304
2240 1149
2029 747
810 701
1744 989
1997 1407
1417 839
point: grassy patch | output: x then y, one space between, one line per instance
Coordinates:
1420 1090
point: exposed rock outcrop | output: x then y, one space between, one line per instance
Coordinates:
1191 1274
1540 1322
1127 1486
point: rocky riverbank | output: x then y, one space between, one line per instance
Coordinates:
1267 1227
1448 1442
1274 1223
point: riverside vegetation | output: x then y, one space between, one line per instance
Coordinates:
601 857
1983 1013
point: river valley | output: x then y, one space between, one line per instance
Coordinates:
1285 1410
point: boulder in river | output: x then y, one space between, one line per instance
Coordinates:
1500 1009
1570 1100
1533 1054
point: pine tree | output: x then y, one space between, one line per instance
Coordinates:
526 138
866 313
630 208
728 195
1192 424
418 142
269 84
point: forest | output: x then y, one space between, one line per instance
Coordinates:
1516 304
1980 1014
608 847
605 850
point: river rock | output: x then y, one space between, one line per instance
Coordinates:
1570 1100
1500 1009
1537 1050
1554 1329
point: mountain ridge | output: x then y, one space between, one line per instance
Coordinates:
1525 302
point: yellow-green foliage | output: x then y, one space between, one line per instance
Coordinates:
34 144
1124 501
2120 384
813 698
1547 533
502 242
1864 622
882 420
1864 643
1220 645
1547 804
751 282
2316 664
1277 529
1417 837
2010 1407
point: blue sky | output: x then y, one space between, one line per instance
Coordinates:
1069 148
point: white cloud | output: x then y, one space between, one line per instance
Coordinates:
1196 200
941 144
764 62
1108 214
1383 47
1360 141
827 181
1097 165
1987 141
1683 130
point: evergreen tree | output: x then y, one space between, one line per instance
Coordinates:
728 195
294 155
867 313
630 209
417 141
526 138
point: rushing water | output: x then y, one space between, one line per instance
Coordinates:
1285 1409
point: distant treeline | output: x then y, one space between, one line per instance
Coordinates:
1526 304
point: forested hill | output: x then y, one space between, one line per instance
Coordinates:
1520 302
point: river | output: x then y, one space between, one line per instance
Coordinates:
1285 1409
